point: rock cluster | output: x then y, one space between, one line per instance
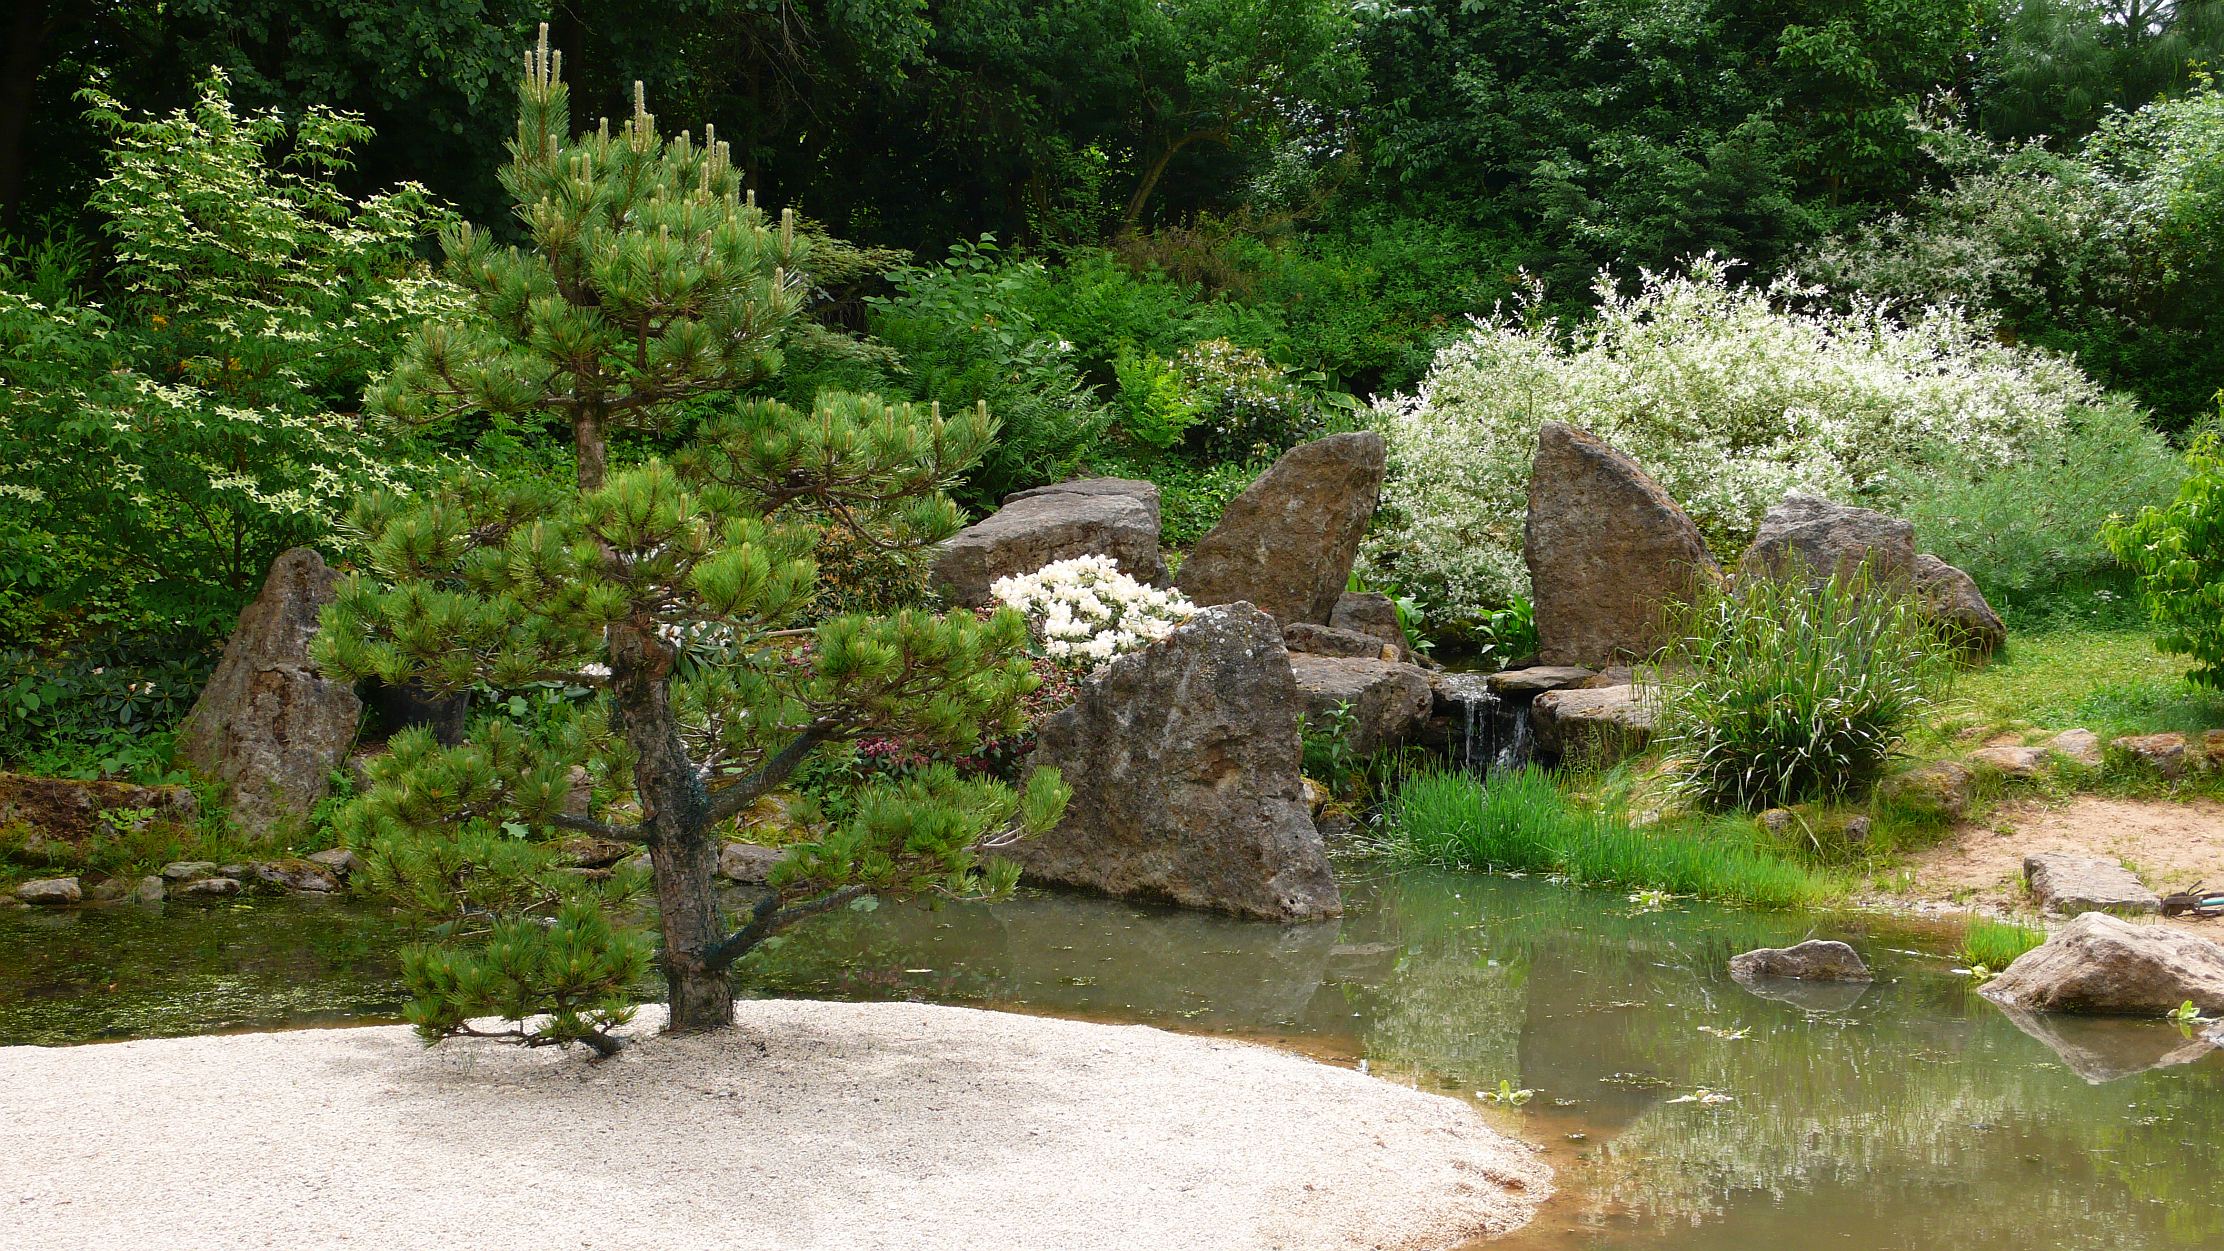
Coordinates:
324 873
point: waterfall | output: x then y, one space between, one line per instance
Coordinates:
1489 733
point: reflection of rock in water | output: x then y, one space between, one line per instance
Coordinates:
1819 998
2102 1049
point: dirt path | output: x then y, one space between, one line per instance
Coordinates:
2171 846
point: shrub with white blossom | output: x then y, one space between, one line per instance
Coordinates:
1084 611
1731 397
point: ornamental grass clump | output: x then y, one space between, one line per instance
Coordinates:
1084 611
1777 690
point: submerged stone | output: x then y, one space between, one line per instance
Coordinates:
1816 960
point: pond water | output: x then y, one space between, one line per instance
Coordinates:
1911 1114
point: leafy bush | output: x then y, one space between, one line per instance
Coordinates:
1155 405
187 430
2177 551
1729 396
966 337
2033 525
102 713
1190 497
1522 822
1778 690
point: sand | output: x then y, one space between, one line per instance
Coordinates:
2170 845
811 1125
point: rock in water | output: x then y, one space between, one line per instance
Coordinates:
51 891
2066 884
268 726
1951 598
1115 517
1607 550
2106 965
1384 703
1286 544
1816 960
1183 759
1827 539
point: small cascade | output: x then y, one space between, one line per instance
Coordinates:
1489 733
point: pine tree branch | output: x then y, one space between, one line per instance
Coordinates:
730 801
769 918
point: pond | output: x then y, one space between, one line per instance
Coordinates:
1680 1110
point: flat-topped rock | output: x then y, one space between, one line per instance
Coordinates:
2067 884
1286 543
1113 517
1387 703
2081 747
1320 640
1826 539
2103 964
2012 761
1600 724
1536 680
51 892
1607 551
1816 960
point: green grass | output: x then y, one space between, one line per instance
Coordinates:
2106 678
1996 944
1524 822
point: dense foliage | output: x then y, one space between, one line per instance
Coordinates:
2177 551
163 444
1730 397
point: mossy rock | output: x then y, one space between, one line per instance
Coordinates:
70 811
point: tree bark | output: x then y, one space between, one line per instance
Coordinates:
1133 216
594 451
675 817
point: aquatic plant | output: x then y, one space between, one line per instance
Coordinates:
1522 821
1993 945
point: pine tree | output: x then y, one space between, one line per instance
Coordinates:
649 278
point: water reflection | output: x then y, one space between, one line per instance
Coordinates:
1911 1114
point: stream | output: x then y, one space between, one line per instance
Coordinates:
1679 1110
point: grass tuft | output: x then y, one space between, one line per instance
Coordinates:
1523 822
1994 945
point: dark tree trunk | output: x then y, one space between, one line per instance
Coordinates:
675 813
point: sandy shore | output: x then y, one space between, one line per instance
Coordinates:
813 1125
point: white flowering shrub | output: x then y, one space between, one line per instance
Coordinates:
1731 397
1084 611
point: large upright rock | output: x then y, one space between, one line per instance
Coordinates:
1827 539
1183 759
2104 964
1115 517
1607 550
268 726
1286 544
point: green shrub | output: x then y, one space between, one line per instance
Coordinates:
99 713
1155 405
1523 822
1247 407
1995 944
2028 531
1779 690
199 416
2177 551
1190 497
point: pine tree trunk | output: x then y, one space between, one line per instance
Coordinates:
675 815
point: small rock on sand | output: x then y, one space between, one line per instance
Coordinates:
2067 885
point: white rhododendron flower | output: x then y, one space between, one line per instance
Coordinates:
1084 611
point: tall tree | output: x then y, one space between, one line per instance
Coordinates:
650 279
